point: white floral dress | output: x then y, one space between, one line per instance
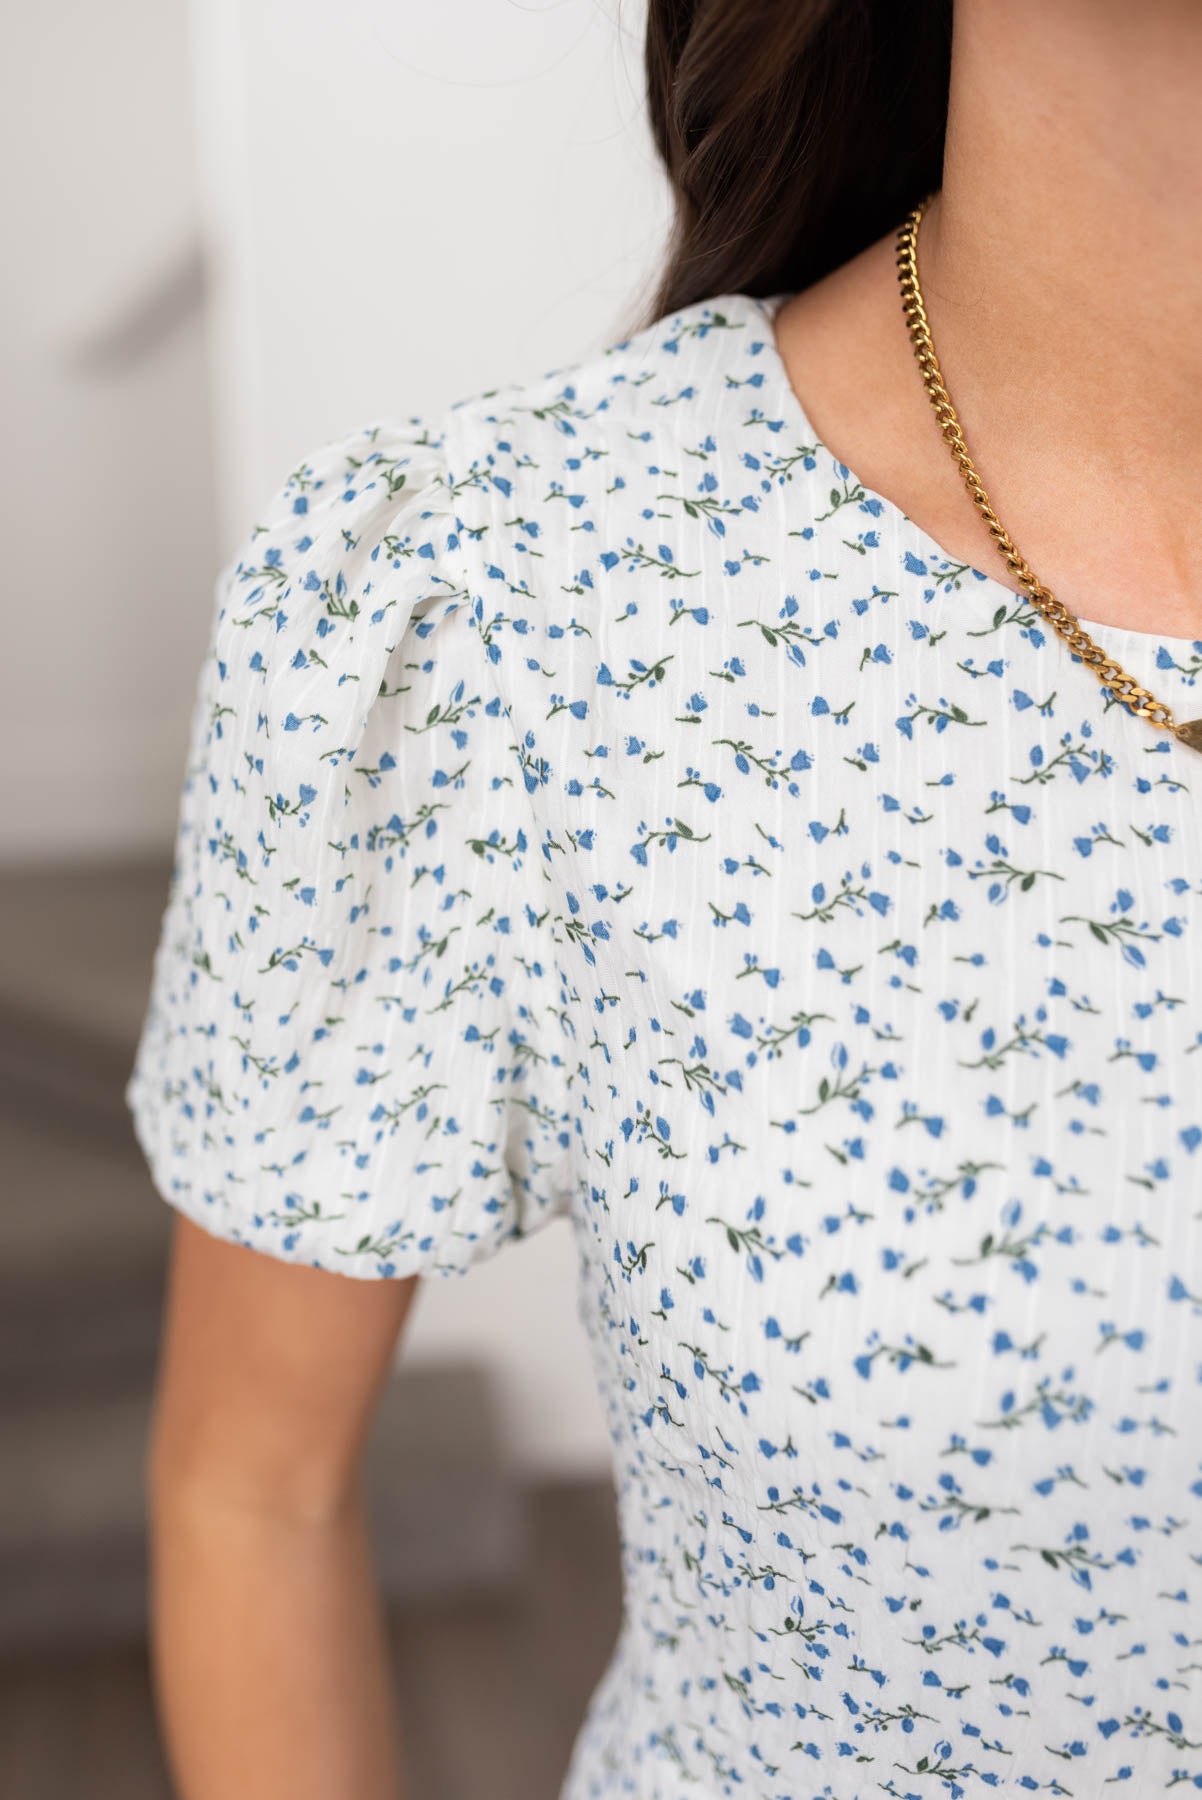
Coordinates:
598 802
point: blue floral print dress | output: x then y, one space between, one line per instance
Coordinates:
600 803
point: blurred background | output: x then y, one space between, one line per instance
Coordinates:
235 229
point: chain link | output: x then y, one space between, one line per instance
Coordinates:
1143 704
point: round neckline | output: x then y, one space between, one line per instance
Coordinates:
924 544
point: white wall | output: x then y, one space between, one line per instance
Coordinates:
106 509
405 204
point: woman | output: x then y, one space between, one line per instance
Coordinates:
644 792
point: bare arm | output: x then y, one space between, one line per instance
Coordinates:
268 1648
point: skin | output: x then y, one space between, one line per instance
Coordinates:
1062 268
267 1643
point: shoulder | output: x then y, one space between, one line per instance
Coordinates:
604 411
593 419
341 507
532 486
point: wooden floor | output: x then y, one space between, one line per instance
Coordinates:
490 1697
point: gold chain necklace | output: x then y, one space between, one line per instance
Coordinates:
1125 688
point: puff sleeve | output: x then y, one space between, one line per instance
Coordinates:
350 1056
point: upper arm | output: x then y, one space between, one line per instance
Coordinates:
350 1064
268 1373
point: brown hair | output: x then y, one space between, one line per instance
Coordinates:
794 134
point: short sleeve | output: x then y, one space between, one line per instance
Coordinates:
350 1056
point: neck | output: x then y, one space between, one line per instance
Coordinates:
1061 263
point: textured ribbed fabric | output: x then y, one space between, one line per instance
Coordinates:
599 803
